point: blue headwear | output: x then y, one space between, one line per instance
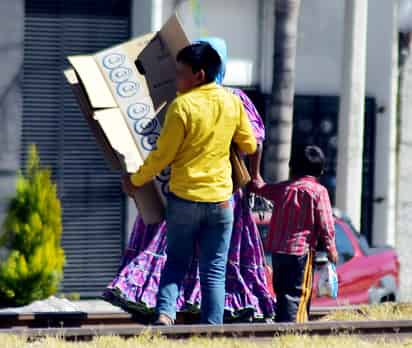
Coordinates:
220 47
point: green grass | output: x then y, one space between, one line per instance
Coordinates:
147 342
389 311
384 311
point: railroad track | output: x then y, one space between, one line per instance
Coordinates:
10 320
85 326
388 329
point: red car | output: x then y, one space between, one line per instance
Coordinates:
366 274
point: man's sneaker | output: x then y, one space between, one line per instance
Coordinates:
163 320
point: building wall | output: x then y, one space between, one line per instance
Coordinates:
404 217
320 47
318 72
238 22
11 58
381 82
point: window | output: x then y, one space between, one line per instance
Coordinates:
343 244
315 120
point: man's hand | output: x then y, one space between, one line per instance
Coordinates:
127 185
333 256
258 181
255 184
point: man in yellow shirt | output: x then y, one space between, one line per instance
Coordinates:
199 127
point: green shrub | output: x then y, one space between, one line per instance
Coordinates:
32 233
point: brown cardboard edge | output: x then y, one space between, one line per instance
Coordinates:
240 173
149 204
102 98
172 29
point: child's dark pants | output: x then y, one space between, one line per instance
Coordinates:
292 282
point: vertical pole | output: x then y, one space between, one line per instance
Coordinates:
351 111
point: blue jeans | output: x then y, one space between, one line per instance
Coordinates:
209 224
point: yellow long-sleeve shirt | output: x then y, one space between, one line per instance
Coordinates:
195 140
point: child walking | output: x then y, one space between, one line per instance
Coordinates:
199 127
302 216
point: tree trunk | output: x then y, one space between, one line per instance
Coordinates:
280 118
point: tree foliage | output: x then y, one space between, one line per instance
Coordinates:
32 229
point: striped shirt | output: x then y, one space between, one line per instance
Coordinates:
302 215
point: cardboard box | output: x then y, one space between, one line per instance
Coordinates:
240 173
123 92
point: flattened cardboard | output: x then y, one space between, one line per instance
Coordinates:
99 95
115 128
124 107
85 106
240 173
156 60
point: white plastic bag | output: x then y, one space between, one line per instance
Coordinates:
328 280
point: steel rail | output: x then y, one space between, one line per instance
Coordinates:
393 329
78 319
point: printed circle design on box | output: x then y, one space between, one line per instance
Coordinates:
165 188
164 175
149 141
113 60
146 126
137 111
120 74
127 89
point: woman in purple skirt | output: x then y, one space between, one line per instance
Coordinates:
136 285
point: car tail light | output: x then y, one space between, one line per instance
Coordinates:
269 279
397 263
398 266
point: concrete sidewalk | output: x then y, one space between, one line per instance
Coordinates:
54 304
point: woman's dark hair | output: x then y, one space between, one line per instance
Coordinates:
201 56
307 160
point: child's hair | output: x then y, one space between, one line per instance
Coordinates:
201 56
307 160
